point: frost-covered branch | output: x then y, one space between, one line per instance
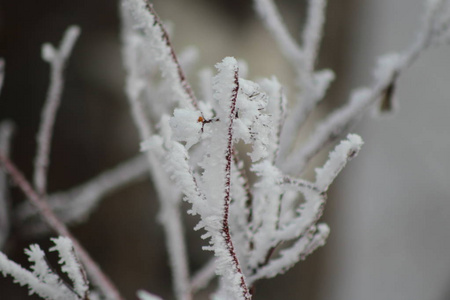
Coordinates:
312 85
139 50
43 280
312 34
315 238
157 39
228 157
93 270
275 24
387 71
57 59
258 217
76 204
240 110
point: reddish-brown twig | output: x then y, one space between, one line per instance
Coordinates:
96 274
182 77
227 200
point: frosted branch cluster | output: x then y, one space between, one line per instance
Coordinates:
232 154
45 282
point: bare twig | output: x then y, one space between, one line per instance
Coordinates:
94 271
57 59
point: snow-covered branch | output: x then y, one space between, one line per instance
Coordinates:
75 205
312 85
43 280
232 155
93 270
140 52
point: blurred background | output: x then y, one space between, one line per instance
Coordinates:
389 212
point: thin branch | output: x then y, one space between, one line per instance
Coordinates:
304 246
312 34
312 85
338 123
272 19
299 183
227 199
170 216
98 277
280 124
165 36
75 204
173 228
57 59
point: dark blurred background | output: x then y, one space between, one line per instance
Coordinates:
94 130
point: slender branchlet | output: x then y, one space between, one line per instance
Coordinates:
202 277
165 36
57 59
75 205
227 200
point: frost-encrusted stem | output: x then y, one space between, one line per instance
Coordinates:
312 85
70 265
299 183
169 214
389 68
288 257
272 19
57 59
94 271
77 203
228 157
165 36
170 217
6 131
47 290
312 34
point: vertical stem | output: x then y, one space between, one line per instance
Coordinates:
182 77
57 60
227 200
